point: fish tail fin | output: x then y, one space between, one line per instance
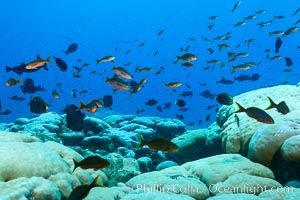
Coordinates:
277 51
48 59
94 183
81 106
20 80
76 164
137 69
240 108
8 69
178 57
142 141
272 104
97 62
66 52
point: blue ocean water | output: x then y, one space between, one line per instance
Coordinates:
102 28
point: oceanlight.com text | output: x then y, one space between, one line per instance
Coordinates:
213 188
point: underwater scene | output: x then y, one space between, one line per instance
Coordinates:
150 100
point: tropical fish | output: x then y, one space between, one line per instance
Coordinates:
288 61
107 101
81 191
106 59
16 98
38 105
187 64
160 32
144 69
37 63
12 82
281 107
173 84
290 31
278 44
236 5
91 107
187 57
243 66
161 144
225 99
55 94
180 103
237 120
74 118
118 83
275 58
91 162
62 65
279 33
296 12
151 102
72 48
122 72
29 87
256 113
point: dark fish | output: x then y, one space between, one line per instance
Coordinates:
225 81
183 109
236 5
167 105
81 191
237 120
29 87
16 98
255 77
74 93
278 44
161 144
38 105
72 48
242 77
151 102
207 118
281 107
207 94
159 108
224 99
256 113
180 103
288 61
20 69
6 112
180 117
186 94
107 101
0 106
91 162
74 118
61 64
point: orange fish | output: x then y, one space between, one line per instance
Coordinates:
118 83
37 63
122 72
91 107
173 84
12 82
161 144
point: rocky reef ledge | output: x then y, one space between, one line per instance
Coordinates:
227 160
